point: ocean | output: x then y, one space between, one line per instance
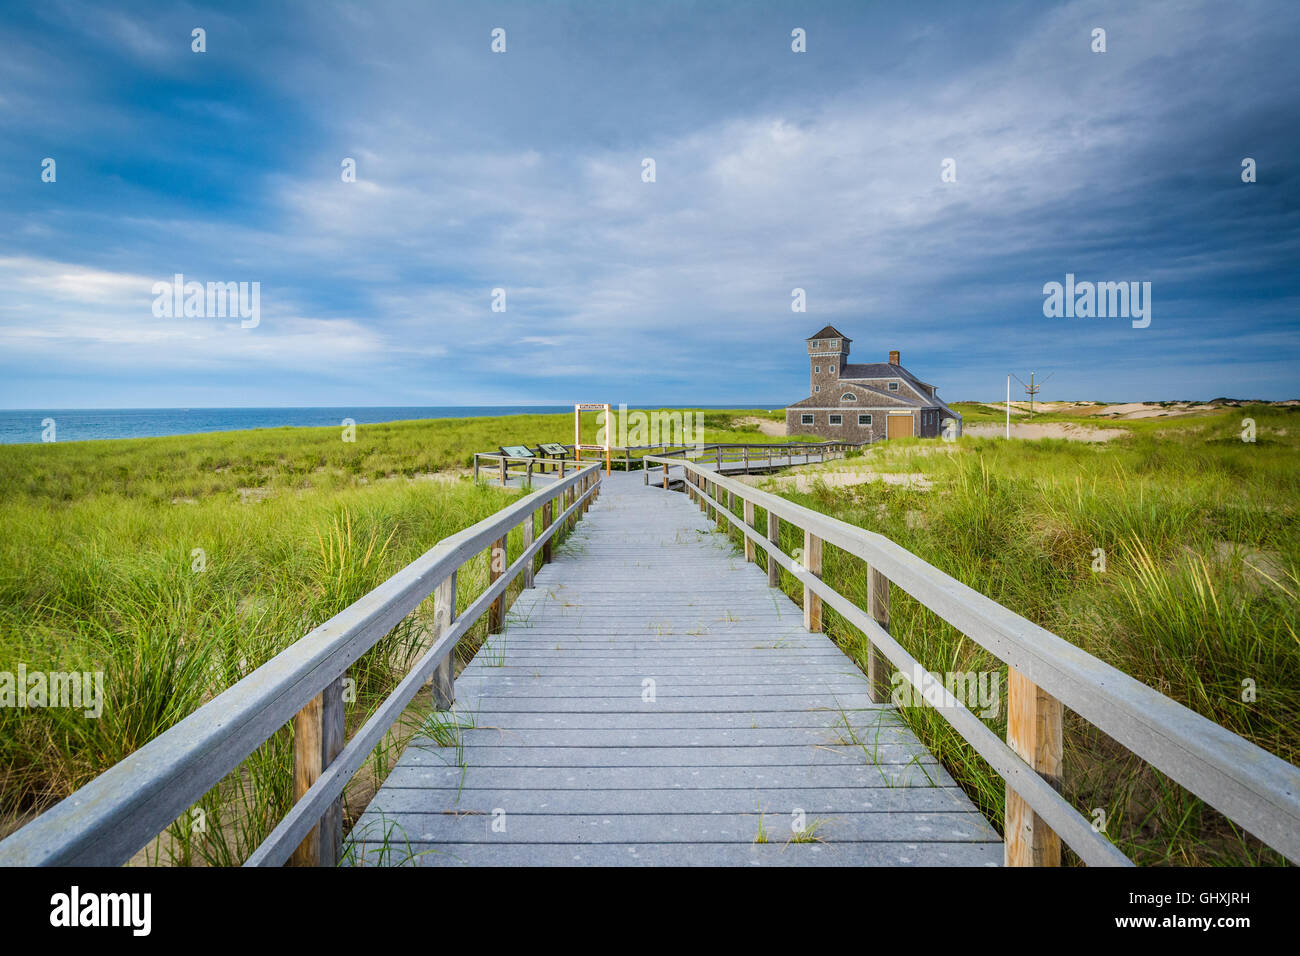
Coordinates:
20 426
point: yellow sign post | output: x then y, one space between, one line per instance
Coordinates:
578 446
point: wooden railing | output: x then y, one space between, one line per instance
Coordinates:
753 457
753 454
1250 786
108 820
524 468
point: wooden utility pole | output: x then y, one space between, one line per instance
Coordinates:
1031 390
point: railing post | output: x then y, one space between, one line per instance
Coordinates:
530 474
496 568
334 737
503 471
879 670
665 476
318 737
444 613
1034 720
749 523
546 523
773 535
812 562
307 753
528 543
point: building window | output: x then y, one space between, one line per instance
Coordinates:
848 397
805 419
817 388
817 369
815 344
893 386
864 419
833 343
837 419
832 369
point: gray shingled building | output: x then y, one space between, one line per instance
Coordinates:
864 402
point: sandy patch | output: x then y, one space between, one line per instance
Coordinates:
448 477
1132 410
764 425
1066 430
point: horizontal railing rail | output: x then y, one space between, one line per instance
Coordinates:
109 819
557 466
754 457
1252 787
760 454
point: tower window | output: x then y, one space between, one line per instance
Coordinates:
817 369
817 388
832 369
833 343
815 344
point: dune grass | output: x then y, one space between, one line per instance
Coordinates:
178 565
315 459
175 603
1200 596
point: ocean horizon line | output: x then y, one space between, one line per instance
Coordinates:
23 426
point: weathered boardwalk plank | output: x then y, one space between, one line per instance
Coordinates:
653 702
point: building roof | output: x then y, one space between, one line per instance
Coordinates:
830 332
878 370
874 370
875 399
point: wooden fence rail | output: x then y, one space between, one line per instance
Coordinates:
105 822
753 457
1256 789
524 467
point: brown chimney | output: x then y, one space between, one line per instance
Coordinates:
895 358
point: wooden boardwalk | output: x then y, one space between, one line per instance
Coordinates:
756 465
653 701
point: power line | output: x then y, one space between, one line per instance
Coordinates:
1031 389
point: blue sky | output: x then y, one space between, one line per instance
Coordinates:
522 170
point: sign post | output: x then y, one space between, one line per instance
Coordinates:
578 446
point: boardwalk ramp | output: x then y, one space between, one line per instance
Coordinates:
651 701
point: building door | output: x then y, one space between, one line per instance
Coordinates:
900 426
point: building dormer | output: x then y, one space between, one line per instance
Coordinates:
828 351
